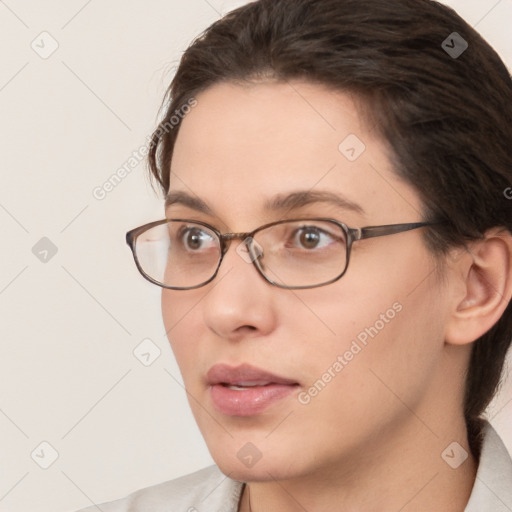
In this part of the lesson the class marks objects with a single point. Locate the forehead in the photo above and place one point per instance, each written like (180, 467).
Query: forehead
(242, 145)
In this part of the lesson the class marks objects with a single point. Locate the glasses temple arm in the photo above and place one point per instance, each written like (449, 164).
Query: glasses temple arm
(389, 229)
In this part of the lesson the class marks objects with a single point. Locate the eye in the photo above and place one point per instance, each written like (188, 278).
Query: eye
(194, 238)
(312, 237)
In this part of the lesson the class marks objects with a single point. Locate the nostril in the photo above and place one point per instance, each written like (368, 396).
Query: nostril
(248, 327)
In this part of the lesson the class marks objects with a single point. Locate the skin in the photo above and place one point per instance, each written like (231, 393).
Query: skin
(372, 439)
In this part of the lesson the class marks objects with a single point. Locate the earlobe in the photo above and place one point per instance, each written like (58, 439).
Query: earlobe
(486, 273)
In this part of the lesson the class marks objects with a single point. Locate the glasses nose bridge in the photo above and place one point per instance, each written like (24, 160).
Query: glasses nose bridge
(226, 238)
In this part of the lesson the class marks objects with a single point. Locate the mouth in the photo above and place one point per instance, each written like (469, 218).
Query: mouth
(246, 390)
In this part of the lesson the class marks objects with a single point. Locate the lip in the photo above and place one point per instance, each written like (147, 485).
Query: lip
(255, 391)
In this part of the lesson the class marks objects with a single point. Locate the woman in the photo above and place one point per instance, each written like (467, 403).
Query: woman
(301, 136)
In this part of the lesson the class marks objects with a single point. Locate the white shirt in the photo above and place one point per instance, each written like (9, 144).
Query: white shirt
(208, 490)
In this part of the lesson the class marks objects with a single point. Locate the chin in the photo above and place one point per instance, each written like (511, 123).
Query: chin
(260, 472)
(264, 466)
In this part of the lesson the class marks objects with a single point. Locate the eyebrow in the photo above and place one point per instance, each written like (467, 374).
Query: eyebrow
(278, 203)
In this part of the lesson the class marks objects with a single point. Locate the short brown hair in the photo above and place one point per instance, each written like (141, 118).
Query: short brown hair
(447, 118)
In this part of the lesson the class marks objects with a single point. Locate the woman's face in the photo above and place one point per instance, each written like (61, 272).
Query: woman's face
(349, 360)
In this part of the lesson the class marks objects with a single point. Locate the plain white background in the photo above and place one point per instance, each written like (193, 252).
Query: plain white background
(70, 321)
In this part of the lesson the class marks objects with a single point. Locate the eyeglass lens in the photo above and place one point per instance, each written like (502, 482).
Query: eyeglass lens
(291, 253)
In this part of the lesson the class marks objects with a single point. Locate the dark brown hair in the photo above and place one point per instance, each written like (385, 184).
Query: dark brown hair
(447, 118)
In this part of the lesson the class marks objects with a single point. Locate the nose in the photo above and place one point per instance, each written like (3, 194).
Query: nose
(240, 302)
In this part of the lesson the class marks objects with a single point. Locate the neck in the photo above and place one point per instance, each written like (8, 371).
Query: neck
(403, 471)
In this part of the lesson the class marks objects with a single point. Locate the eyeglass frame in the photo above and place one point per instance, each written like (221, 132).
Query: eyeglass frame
(352, 235)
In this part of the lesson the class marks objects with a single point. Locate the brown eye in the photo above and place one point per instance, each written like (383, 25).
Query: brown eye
(194, 238)
(309, 238)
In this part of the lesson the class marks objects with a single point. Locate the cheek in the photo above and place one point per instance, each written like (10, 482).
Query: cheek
(182, 322)
(363, 341)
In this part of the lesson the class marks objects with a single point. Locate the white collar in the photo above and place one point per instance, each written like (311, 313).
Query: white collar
(492, 490)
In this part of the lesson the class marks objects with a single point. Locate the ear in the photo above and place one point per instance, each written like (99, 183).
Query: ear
(483, 289)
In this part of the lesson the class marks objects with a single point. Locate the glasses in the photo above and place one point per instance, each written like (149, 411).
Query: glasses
(183, 254)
